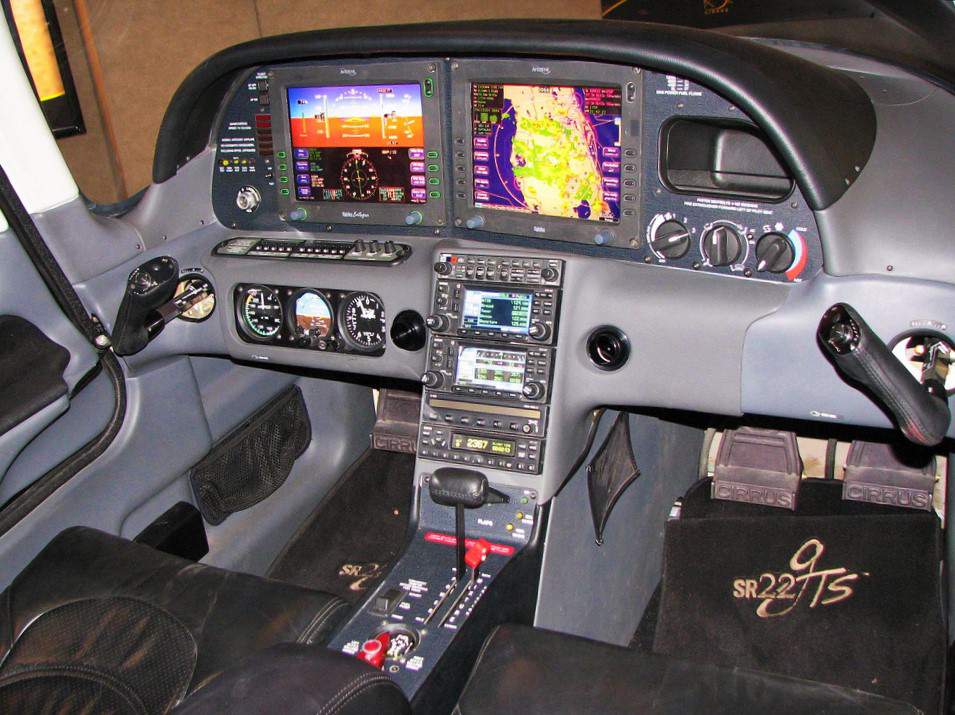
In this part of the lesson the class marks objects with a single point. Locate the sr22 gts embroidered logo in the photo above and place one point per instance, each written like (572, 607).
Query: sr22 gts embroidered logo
(779, 593)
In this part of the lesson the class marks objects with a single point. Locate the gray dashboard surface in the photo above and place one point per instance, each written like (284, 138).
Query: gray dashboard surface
(701, 342)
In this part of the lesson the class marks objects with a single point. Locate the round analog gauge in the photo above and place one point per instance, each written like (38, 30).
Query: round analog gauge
(359, 176)
(311, 315)
(361, 318)
(195, 299)
(261, 312)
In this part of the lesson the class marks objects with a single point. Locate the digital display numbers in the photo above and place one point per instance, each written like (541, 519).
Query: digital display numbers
(485, 445)
(491, 368)
(500, 311)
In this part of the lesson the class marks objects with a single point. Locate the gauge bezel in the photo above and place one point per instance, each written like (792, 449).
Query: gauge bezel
(243, 321)
(343, 303)
(290, 314)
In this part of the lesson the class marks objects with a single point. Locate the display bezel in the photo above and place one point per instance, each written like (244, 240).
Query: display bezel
(558, 73)
(495, 331)
(485, 388)
(428, 74)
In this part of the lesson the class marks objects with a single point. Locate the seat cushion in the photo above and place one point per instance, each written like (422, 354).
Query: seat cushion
(549, 672)
(96, 614)
(293, 679)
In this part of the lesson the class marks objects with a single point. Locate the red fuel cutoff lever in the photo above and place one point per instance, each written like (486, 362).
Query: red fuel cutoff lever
(374, 650)
(477, 554)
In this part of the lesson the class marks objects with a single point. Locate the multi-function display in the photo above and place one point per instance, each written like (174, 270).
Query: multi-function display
(358, 143)
(547, 149)
(500, 311)
(491, 368)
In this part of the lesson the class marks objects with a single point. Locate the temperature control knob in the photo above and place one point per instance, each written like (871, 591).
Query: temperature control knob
(432, 379)
(539, 331)
(671, 239)
(774, 253)
(248, 199)
(722, 245)
(532, 390)
(437, 322)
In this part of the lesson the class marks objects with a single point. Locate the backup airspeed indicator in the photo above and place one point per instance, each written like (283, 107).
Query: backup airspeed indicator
(261, 313)
(361, 320)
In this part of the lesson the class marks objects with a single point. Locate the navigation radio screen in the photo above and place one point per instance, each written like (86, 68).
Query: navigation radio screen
(547, 149)
(490, 368)
(498, 310)
(358, 143)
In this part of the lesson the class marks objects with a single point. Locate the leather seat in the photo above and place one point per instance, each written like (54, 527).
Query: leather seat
(99, 623)
(549, 672)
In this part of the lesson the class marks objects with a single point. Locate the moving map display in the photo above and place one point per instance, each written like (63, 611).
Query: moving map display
(547, 149)
(358, 143)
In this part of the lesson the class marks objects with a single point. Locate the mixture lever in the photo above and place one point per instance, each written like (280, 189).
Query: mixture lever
(462, 489)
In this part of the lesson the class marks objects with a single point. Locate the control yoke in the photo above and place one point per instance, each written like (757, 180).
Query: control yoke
(920, 408)
(462, 489)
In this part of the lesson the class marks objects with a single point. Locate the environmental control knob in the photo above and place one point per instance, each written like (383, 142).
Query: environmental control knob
(722, 245)
(442, 268)
(432, 379)
(248, 198)
(671, 239)
(774, 253)
(539, 331)
(532, 390)
(437, 322)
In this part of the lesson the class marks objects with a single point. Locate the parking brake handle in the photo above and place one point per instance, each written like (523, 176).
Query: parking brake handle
(920, 410)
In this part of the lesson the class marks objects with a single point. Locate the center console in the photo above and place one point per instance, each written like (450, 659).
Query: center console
(494, 322)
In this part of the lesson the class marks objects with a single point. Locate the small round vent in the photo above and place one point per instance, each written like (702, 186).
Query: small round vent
(608, 348)
(408, 331)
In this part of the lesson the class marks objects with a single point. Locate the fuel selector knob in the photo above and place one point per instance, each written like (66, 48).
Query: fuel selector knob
(722, 245)
(532, 390)
(774, 253)
(671, 239)
(539, 331)
(437, 322)
(432, 379)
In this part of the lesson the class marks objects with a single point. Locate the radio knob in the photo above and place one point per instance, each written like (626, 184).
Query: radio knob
(432, 379)
(539, 331)
(548, 274)
(248, 198)
(474, 222)
(442, 268)
(532, 390)
(437, 322)
(413, 218)
(722, 245)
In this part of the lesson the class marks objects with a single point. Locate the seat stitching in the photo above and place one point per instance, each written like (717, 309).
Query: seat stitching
(318, 620)
(350, 687)
(360, 689)
(311, 636)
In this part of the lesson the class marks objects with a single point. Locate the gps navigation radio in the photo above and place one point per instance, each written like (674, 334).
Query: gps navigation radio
(547, 149)
(359, 144)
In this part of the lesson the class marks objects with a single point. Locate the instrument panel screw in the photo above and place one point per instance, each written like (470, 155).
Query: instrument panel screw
(890, 267)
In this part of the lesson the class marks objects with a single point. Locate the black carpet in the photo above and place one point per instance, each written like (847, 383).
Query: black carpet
(838, 592)
(349, 542)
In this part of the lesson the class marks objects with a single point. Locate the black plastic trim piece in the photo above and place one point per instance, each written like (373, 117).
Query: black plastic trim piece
(820, 121)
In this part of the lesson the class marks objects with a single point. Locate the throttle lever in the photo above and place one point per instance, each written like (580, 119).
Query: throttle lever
(860, 355)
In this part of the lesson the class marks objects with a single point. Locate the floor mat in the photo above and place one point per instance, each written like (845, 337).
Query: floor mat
(849, 598)
(350, 540)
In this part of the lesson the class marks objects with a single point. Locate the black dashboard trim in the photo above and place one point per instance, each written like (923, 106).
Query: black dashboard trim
(821, 122)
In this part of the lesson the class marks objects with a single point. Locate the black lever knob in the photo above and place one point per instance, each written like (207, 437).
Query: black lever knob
(861, 356)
